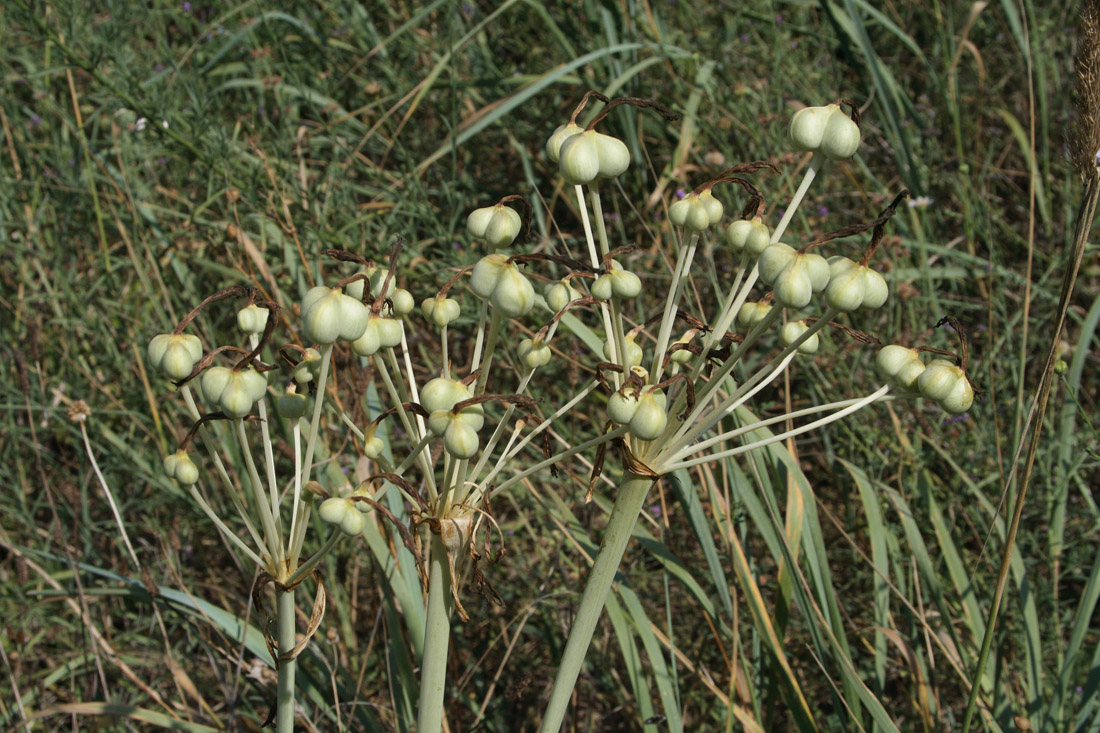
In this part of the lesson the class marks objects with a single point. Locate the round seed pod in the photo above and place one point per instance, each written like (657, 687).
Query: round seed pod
(683, 356)
(633, 352)
(846, 289)
(373, 447)
(960, 398)
(808, 126)
(292, 405)
(558, 138)
(252, 319)
(938, 379)
(689, 213)
(403, 303)
(370, 342)
(900, 366)
(533, 355)
(649, 419)
(214, 381)
(773, 260)
(342, 512)
(441, 311)
(331, 316)
(712, 206)
(625, 284)
(877, 289)
(498, 225)
(460, 440)
(752, 314)
(513, 296)
(559, 294)
(792, 331)
(840, 139)
(613, 154)
(750, 235)
(442, 393)
(180, 467)
(602, 289)
(793, 287)
(621, 408)
(487, 273)
(579, 158)
(309, 368)
(174, 354)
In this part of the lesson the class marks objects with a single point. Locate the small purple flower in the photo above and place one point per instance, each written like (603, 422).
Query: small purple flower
(457, 246)
(36, 120)
(162, 160)
(611, 216)
(744, 38)
(158, 67)
(680, 193)
(779, 20)
(187, 7)
(822, 211)
(957, 419)
(655, 510)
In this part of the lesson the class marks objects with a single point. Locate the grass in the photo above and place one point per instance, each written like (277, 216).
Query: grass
(869, 550)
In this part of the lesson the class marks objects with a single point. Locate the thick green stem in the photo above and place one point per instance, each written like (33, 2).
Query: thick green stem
(284, 617)
(632, 494)
(433, 667)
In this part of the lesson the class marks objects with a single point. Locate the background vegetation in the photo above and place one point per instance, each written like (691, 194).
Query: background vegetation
(155, 152)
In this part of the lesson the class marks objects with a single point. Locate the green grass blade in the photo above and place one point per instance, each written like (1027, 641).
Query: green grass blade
(697, 517)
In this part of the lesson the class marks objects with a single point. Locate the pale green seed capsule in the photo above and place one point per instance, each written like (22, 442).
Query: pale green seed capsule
(808, 126)
(750, 235)
(650, 419)
(442, 393)
(620, 407)
(373, 448)
(558, 138)
(403, 303)
(840, 139)
(793, 331)
(579, 159)
(614, 156)
(292, 405)
(625, 284)
(559, 294)
(773, 260)
(513, 296)
(959, 399)
(938, 379)
(460, 440)
(487, 273)
(252, 319)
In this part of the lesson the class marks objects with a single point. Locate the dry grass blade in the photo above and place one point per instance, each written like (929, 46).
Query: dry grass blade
(1084, 145)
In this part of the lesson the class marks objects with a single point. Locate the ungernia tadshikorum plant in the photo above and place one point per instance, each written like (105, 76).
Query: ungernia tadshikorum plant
(671, 401)
(673, 382)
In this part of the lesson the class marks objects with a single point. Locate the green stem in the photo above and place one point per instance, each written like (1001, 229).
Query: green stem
(284, 615)
(433, 667)
(305, 568)
(679, 277)
(632, 494)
